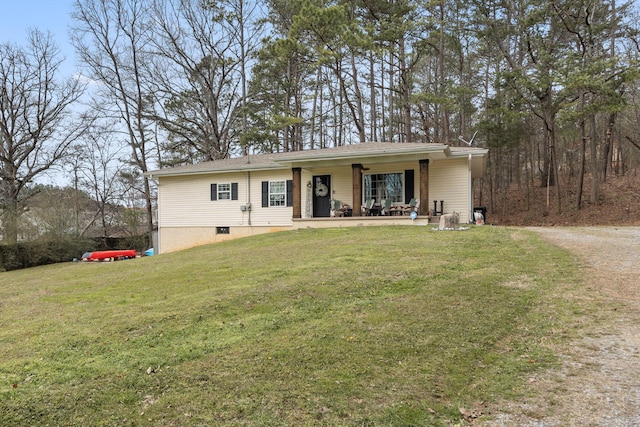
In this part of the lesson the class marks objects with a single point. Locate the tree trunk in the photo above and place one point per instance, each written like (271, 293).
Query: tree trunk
(372, 100)
(595, 181)
(608, 147)
(357, 110)
(581, 164)
(444, 113)
(314, 108)
(10, 217)
(390, 100)
(554, 164)
(243, 71)
(582, 155)
(404, 91)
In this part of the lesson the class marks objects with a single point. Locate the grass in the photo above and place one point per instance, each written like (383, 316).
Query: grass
(392, 326)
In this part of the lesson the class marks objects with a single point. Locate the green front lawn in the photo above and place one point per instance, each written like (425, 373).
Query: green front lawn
(390, 326)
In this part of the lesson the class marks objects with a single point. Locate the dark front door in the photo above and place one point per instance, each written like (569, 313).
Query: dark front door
(321, 195)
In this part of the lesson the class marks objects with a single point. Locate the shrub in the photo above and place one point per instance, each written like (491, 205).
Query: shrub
(61, 249)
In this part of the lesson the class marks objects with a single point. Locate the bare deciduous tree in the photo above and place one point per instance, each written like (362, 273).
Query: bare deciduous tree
(111, 38)
(98, 173)
(35, 115)
(198, 76)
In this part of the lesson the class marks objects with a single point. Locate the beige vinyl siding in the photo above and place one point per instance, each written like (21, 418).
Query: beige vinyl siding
(186, 201)
(188, 217)
(340, 184)
(270, 216)
(449, 180)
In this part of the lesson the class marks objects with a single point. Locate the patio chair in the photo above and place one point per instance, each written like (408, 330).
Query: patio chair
(386, 207)
(339, 209)
(336, 208)
(396, 209)
(413, 207)
(367, 207)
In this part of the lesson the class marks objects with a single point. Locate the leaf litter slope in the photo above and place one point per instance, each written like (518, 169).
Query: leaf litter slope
(369, 325)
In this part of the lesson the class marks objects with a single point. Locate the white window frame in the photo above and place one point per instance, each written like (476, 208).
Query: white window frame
(369, 192)
(224, 194)
(277, 198)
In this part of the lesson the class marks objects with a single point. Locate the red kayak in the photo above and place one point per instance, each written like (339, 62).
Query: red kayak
(113, 254)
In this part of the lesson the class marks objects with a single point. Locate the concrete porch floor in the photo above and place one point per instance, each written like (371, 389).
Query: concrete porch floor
(359, 221)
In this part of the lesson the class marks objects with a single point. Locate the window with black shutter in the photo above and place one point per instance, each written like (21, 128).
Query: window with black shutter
(290, 192)
(224, 191)
(265, 194)
(234, 191)
(277, 193)
(408, 185)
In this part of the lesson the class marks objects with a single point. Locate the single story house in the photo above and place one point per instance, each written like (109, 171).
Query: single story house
(360, 184)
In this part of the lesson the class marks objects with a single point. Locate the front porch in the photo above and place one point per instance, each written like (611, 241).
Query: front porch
(393, 182)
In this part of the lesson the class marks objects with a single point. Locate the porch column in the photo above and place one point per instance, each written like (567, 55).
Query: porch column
(356, 174)
(424, 187)
(297, 192)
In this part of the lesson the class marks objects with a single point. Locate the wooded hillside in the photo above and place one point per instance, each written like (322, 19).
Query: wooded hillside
(618, 204)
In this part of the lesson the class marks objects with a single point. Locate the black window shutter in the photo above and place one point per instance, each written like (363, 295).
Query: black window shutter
(408, 185)
(214, 191)
(234, 191)
(289, 192)
(265, 194)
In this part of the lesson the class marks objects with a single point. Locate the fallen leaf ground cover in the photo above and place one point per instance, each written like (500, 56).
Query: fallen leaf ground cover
(350, 326)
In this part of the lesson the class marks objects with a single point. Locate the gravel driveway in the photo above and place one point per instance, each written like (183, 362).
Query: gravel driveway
(599, 381)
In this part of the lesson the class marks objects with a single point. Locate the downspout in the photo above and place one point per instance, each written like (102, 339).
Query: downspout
(249, 198)
(470, 184)
(155, 243)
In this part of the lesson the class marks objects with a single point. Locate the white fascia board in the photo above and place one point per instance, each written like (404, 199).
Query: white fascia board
(296, 158)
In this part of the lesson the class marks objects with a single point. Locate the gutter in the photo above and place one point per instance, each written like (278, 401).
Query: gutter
(470, 189)
(169, 172)
(295, 157)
